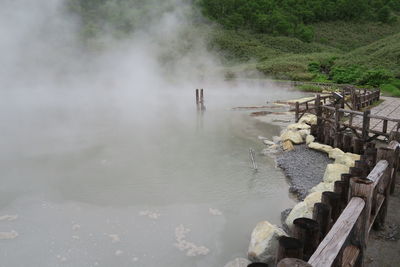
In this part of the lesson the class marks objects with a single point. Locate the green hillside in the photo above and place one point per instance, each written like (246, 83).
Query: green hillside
(384, 53)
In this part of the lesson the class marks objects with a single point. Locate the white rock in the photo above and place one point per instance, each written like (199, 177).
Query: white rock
(8, 235)
(335, 153)
(298, 126)
(239, 262)
(294, 137)
(309, 119)
(310, 139)
(354, 156)
(333, 172)
(322, 187)
(320, 147)
(264, 242)
(268, 143)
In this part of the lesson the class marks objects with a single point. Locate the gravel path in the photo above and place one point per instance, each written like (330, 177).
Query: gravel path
(304, 168)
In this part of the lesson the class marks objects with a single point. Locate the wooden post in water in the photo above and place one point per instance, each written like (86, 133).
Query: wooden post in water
(252, 155)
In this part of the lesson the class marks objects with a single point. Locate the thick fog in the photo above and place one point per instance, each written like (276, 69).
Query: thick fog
(105, 161)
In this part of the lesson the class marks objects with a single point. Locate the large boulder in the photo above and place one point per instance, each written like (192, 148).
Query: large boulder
(320, 147)
(239, 262)
(335, 153)
(264, 242)
(322, 187)
(333, 172)
(294, 136)
(309, 119)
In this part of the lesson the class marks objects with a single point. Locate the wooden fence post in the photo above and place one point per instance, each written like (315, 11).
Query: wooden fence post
(318, 112)
(297, 112)
(365, 125)
(396, 147)
(385, 186)
(322, 215)
(332, 200)
(364, 189)
(307, 231)
(289, 247)
(289, 262)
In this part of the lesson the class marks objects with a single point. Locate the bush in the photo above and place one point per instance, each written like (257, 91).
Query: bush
(375, 77)
(346, 75)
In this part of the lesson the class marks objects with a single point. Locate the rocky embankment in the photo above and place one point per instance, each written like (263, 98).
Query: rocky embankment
(311, 169)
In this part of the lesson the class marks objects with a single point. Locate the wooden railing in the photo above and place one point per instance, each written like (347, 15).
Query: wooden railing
(345, 217)
(359, 98)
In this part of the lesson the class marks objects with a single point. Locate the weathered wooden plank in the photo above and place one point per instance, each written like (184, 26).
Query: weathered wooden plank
(379, 201)
(350, 255)
(377, 173)
(329, 248)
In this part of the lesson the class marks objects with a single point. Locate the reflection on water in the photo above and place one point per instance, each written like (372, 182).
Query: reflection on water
(104, 184)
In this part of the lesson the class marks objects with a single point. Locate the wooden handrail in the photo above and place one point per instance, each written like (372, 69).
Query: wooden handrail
(330, 247)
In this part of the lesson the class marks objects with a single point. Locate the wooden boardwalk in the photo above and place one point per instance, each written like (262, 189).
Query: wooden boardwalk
(389, 108)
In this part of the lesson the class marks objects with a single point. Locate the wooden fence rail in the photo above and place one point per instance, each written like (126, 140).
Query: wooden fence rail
(338, 233)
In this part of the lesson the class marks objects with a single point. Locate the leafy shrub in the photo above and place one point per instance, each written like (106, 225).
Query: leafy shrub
(375, 77)
(346, 75)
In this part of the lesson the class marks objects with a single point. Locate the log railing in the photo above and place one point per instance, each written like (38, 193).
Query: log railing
(338, 233)
(359, 98)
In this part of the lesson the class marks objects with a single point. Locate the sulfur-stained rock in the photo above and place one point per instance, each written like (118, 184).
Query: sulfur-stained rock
(335, 153)
(287, 145)
(333, 172)
(320, 147)
(239, 262)
(264, 242)
(293, 136)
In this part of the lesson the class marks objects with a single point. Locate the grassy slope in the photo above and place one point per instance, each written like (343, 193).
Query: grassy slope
(367, 44)
(384, 53)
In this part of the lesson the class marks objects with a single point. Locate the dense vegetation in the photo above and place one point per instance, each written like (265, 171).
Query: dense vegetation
(293, 17)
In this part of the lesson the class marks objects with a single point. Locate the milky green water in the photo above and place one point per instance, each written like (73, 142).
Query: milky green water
(96, 182)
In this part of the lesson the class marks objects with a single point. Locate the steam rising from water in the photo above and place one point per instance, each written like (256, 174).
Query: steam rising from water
(98, 141)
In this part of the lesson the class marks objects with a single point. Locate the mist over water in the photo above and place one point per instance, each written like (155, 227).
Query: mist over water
(104, 159)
